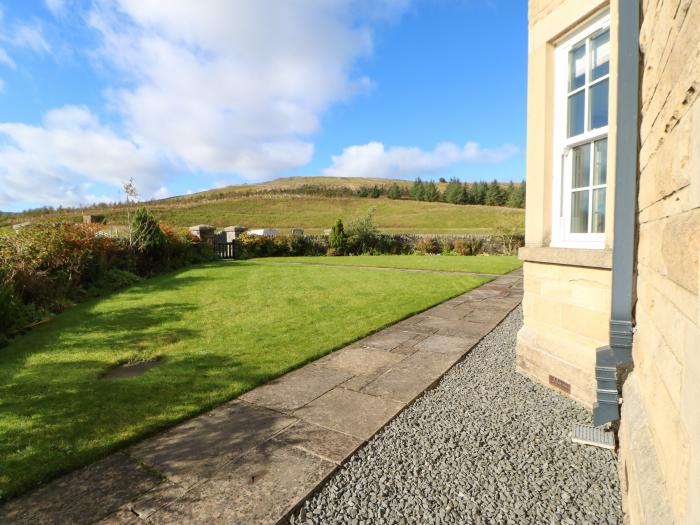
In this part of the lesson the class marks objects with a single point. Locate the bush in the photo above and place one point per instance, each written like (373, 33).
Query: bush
(148, 238)
(446, 245)
(469, 246)
(48, 266)
(363, 235)
(338, 239)
(305, 245)
(427, 245)
(251, 246)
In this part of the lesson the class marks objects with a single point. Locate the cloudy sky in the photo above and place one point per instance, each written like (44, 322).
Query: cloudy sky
(189, 95)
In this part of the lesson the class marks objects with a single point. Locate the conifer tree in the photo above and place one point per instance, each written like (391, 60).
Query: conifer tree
(495, 196)
(453, 192)
(394, 191)
(418, 190)
(431, 192)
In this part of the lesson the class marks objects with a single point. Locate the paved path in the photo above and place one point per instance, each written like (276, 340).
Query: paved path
(485, 446)
(255, 459)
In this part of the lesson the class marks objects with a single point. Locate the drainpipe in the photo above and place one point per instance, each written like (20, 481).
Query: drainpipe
(614, 360)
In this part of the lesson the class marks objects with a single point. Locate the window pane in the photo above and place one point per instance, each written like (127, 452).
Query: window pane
(600, 162)
(599, 105)
(581, 168)
(579, 211)
(577, 66)
(600, 55)
(598, 219)
(575, 112)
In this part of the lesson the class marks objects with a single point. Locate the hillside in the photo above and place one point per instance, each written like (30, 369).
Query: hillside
(282, 204)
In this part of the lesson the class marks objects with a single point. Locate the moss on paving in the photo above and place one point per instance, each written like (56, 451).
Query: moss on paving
(220, 329)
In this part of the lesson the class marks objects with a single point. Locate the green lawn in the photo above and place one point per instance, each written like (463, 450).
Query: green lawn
(449, 263)
(221, 329)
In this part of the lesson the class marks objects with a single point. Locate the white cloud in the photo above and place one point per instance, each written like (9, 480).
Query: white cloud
(374, 160)
(55, 6)
(239, 86)
(5, 59)
(30, 37)
(59, 161)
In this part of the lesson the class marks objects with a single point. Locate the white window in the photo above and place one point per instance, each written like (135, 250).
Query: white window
(582, 76)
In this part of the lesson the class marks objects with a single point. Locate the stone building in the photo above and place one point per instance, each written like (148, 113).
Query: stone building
(612, 316)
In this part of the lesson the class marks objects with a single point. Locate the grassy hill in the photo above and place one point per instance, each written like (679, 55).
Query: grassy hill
(283, 204)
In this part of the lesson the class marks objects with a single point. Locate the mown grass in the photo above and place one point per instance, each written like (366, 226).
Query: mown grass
(443, 263)
(220, 329)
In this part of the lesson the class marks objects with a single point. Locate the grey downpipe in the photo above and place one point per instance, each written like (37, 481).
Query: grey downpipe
(613, 360)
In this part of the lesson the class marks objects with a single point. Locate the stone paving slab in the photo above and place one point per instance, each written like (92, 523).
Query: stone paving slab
(297, 388)
(194, 450)
(258, 488)
(356, 360)
(328, 444)
(84, 496)
(253, 460)
(350, 412)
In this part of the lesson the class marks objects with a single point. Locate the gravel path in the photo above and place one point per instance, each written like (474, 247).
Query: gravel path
(485, 446)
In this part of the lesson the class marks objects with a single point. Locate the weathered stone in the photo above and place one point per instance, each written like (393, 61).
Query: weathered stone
(192, 451)
(358, 360)
(84, 496)
(297, 388)
(329, 444)
(258, 488)
(447, 345)
(388, 339)
(350, 412)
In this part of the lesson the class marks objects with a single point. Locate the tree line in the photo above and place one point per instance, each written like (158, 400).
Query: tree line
(456, 192)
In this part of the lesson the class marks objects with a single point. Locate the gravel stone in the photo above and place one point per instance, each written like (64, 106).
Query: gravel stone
(487, 445)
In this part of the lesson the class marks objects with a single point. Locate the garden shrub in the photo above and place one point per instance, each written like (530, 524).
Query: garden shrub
(46, 267)
(338, 239)
(147, 236)
(469, 246)
(363, 235)
(446, 245)
(427, 245)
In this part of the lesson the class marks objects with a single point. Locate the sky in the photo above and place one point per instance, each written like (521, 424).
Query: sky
(184, 96)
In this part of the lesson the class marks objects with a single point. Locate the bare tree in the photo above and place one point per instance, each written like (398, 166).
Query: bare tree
(131, 194)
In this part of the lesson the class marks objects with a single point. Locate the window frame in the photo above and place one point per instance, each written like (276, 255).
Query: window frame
(563, 146)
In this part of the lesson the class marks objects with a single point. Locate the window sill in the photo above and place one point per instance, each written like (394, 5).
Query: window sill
(584, 257)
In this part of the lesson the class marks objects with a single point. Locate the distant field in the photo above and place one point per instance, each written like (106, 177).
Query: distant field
(443, 263)
(314, 213)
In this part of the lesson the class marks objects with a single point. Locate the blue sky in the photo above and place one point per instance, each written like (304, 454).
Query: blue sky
(184, 96)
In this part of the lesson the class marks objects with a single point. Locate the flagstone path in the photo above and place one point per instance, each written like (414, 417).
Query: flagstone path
(253, 460)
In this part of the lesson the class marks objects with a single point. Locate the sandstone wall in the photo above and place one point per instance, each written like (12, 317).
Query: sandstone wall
(660, 433)
(567, 291)
(566, 310)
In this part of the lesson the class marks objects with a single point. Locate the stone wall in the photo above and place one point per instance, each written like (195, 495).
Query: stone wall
(660, 431)
(566, 304)
(538, 9)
